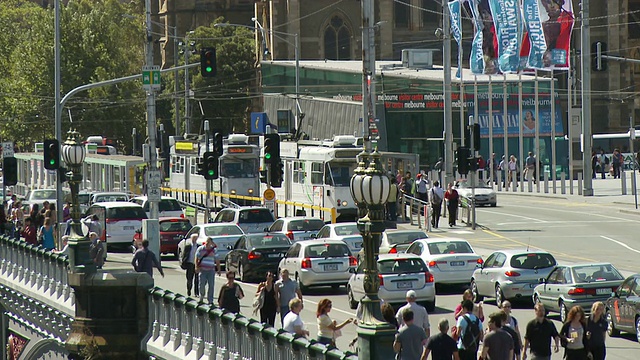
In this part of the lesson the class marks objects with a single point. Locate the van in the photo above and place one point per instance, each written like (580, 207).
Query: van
(119, 220)
(167, 207)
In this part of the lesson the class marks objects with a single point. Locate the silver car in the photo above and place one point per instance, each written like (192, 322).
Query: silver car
(224, 236)
(484, 194)
(250, 219)
(398, 241)
(347, 232)
(511, 274)
(297, 228)
(450, 260)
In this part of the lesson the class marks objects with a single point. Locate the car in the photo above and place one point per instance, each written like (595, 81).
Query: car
(253, 255)
(398, 241)
(450, 260)
(39, 196)
(577, 284)
(398, 273)
(346, 231)
(108, 197)
(172, 231)
(119, 220)
(250, 219)
(623, 308)
(167, 207)
(484, 194)
(297, 228)
(224, 236)
(511, 274)
(318, 262)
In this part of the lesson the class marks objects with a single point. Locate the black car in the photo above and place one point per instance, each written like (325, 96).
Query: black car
(623, 308)
(255, 254)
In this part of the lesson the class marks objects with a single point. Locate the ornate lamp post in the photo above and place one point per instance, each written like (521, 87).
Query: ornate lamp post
(370, 190)
(73, 154)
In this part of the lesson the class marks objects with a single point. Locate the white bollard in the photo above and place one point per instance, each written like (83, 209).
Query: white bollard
(546, 182)
(623, 182)
(499, 178)
(580, 183)
(563, 183)
(530, 184)
(514, 181)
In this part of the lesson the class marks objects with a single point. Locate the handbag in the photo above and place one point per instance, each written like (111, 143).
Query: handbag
(258, 301)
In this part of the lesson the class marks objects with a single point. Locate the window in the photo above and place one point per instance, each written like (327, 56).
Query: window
(175, 226)
(293, 251)
(430, 13)
(193, 166)
(595, 273)
(625, 288)
(298, 172)
(490, 260)
(323, 233)
(532, 261)
(277, 226)
(401, 11)
(240, 244)
(222, 230)
(268, 241)
(450, 247)
(169, 205)
(126, 213)
(255, 216)
(500, 259)
(345, 230)
(401, 266)
(316, 173)
(327, 250)
(553, 277)
(337, 40)
(404, 237)
(239, 168)
(305, 225)
(178, 164)
(339, 174)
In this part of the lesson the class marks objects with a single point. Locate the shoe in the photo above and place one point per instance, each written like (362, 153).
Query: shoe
(188, 293)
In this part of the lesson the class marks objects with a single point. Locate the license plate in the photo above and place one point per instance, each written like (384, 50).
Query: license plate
(405, 284)
(275, 255)
(128, 227)
(331, 267)
(603, 291)
(456, 263)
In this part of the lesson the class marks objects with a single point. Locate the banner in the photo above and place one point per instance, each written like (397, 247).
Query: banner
(489, 38)
(549, 24)
(476, 59)
(456, 28)
(505, 19)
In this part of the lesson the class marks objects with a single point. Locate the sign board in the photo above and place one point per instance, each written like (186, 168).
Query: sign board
(269, 195)
(271, 205)
(151, 77)
(258, 122)
(189, 211)
(154, 180)
(7, 149)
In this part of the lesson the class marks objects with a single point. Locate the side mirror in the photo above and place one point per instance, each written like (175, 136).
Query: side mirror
(352, 270)
(542, 281)
(314, 236)
(266, 229)
(479, 266)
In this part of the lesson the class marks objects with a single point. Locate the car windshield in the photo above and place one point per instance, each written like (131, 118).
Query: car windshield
(222, 230)
(255, 216)
(133, 212)
(532, 261)
(84, 198)
(404, 237)
(306, 225)
(110, 198)
(465, 185)
(327, 250)
(44, 194)
(169, 205)
(175, 226)
(268, 240)
(593, 273)
(450, 247)
(344, 230)
(401, 266)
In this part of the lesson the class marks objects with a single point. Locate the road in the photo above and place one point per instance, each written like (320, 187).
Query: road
(571, 228)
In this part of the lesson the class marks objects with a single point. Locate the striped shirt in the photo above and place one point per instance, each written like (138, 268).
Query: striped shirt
(207, 258)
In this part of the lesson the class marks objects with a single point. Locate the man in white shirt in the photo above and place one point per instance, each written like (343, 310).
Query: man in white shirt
(436, 196)
(292, 321)
(420, 315)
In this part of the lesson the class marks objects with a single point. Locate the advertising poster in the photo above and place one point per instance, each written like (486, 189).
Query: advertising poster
(548, 24)
(507, 30)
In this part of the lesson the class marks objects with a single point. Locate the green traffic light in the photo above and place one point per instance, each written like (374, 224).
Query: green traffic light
(52, 162)
(211, 172)
(209, 69)
(267, 156)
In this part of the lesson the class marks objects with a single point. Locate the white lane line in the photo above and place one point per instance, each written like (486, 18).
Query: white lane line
(620, 243)
(571, 212)
(516, 216)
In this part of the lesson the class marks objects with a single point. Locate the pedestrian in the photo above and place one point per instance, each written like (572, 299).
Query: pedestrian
(595, 164)
(513, 170)
(17, 218)
(45, 207)
(93, 223)
(574, 336)
(538, 335)
(453, 201)
(597, 328)
(604, 162)
(410, 340)
(36, 217)
(65, 246)
(442, 346)
(51, 212)
(530, 167)
(188, 248)
(389, 314)
(617, 162)
(481, 165)
(10, 203)
(96, 251)
(422, 187)
(392, 201)
(4, 224)
(328, 330)
(478, 310)
(66, 211)
(469, 332)
(497, 343)
(420, 315)
(511, 321)
(293, 321)
(207, 265)
(503, 166)
(286, 290)
(399, 176)
(438, 167)
(269, 306)
(436, 195)
(47, 234)
(230, 294)
(407, 184)
(144, 260)
(517, 340)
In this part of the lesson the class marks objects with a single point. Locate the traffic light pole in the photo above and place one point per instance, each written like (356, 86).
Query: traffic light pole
(474, 173)
(207, 182)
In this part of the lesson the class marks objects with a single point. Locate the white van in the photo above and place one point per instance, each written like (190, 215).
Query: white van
(120, 220)
(167, 207)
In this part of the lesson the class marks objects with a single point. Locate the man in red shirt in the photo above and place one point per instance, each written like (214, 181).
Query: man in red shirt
(29, 232)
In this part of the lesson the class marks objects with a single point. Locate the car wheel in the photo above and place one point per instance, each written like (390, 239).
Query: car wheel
(494, 204)
(474, 289)
(353, 304)
(536, 299)
(300, 285)
(241, 273)
(611, 328)
(499, 296)
(430, 306)
(638, 328)
(563, 312)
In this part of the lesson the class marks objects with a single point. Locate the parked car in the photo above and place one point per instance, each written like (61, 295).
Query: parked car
(224, 236)
(39, 196)
(319, 262)
(253, 255)
(347, 232)
(579, 284)
(119, 220)
(172, 231)
(511, 274)
(450, 260)
(167, 207)
(108, 197)
(484, 194)
(297, 228)
(623, 308)
(398, 273)
(398, 241)
(250, 219)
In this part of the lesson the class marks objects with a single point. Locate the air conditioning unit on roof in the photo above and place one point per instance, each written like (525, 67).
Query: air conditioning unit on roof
(417, 58)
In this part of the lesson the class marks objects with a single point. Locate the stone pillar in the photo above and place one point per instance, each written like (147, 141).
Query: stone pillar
(385, 33)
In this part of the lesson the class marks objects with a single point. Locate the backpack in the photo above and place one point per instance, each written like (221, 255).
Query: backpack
(184, 256)
(435, 199)
(471, 334)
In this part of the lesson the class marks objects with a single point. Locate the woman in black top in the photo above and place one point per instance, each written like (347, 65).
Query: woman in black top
(268, 310)
(36, 217)
(597, 331)
(230, 294)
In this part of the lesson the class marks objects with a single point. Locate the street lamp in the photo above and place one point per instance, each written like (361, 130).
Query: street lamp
(370, 190)
(73, 154)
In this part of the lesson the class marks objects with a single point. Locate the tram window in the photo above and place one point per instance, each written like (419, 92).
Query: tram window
(316, 173)
(337, 174)
(298, 172)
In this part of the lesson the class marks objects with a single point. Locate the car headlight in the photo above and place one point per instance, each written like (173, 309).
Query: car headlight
(233, 192)
(344, 203)
(250, 191)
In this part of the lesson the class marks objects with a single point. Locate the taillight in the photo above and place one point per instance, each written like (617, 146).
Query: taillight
(393, 250)
(381, 279)
(428, 277)
(353, 261)
(512, 273)
(434, 263)
(477, 261)
(480, 261)
(306, 263)
(290, 235)
(182, 216)
(254, 255)
(577, 291)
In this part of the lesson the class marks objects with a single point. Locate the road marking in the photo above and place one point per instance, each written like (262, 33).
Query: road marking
(620, 243)
(517, 216)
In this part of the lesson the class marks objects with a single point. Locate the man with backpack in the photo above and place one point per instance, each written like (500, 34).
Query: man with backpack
(188, 248)
(436, 194)
(469, 331)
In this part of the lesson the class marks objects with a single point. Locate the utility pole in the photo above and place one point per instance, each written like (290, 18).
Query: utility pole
(187, 83)
(176, 88)
(585, 48)
(151, 115)
(57, 107)
(448, 112)
(368, 71)
(207, 182)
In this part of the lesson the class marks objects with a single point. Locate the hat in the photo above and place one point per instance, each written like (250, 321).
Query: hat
(411, 294)
(419, 176)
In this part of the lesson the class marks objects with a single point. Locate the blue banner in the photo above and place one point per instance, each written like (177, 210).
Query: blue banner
(476, 61)
(505, 18)
(537, 45)
(528, 122)
(456, 28)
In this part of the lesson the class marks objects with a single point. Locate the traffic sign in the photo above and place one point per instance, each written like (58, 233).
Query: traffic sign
(271, 205)
(154, 180)
(7, 149)
(269, 194)
(151, 78)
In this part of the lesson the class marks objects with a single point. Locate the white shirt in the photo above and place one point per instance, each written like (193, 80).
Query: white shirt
(420, 315)
(292, 321)
(438, 191)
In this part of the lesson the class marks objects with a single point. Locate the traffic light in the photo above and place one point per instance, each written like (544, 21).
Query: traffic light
(598, 63)
(200, 167)
(208, 62)
(10, 171)
(217, 144)
(51, 154)
(210, 165)
(476, 136)
(277, 173)
(473, 163)
(271, 148)
(463, 154)
(263, 177)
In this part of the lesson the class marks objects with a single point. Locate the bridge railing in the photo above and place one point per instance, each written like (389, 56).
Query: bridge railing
(182, 328)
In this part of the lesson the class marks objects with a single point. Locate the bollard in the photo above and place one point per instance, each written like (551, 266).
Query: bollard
(546, 182)
(623, 181)
(403, 208)
(571, 182)
(514, 182)
(419, 220)
(411, 211)
(563, 183)
(579, 183)
(530, 184)
(427, 223)
(554, 177)
(499, 177)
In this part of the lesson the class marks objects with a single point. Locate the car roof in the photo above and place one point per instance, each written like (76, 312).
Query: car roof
(441, 239)
(397, 256)
(403, 231)
(217, 224)
(320, 241)
(585, 264)
(113, 204)
(341, 224)
(511, 252)
(145, 198)
(110, 193)
(289, 218)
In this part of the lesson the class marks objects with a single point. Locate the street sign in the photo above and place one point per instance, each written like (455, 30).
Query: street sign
(271, 205)
(7, 149)
(269, 194)
(151, 77)
(154, 180)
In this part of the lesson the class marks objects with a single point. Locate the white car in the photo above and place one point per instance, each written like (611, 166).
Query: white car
(167, 207)
(484, 195)
(398, 273)
(251, 219)
(347, 232)
(224, 235)
(108, 197)
(297, 228)
(398, 241)
(318, 262)
(450, 260)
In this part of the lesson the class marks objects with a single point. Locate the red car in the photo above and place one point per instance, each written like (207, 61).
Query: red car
(172, 231)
